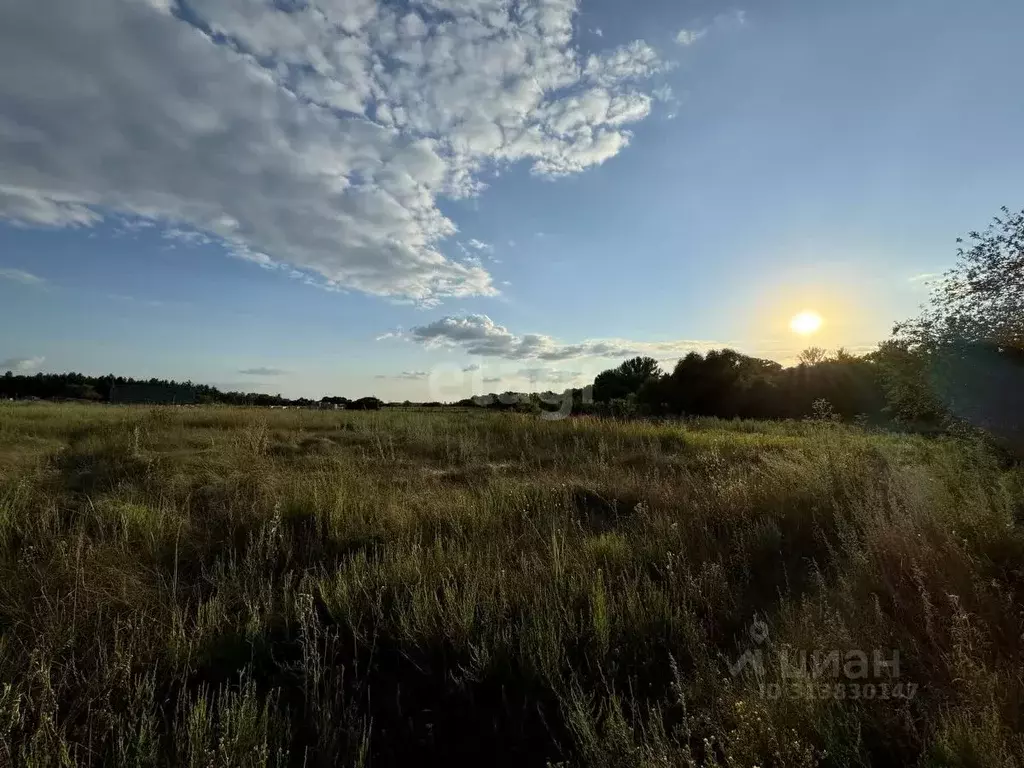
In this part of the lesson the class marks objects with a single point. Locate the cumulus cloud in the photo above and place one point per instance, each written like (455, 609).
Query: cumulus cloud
(21, 364)
(319, 135)
(263, 372)
(21, 276)
(479, 335)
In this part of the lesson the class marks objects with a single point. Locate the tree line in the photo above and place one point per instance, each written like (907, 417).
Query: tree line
(114, 389)
(728, 384)
(959, 362)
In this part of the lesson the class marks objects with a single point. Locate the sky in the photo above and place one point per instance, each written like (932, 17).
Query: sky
(428, 199)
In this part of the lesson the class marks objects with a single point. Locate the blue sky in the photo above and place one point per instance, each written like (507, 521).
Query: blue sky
(435, 198)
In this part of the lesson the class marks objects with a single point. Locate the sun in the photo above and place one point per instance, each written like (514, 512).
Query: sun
(805, 323)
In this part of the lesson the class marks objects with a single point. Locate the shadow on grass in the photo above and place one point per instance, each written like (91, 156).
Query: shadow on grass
(426, 709)
(602, 512)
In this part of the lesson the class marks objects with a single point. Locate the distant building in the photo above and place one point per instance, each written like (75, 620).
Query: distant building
(152, 394)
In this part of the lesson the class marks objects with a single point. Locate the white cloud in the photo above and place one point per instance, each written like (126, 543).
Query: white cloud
(21, 276)
(687, 37)
(479, 245)
(479, 335)
(186, 236)
(39, 208)
(663, 93)
(321, 136)
(666, 95)
(21, 364)
(634, 61)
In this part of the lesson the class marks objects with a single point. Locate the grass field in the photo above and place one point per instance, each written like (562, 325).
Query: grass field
(233, 587)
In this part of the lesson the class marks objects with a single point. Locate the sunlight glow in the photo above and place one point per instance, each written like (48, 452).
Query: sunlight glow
(805, 323)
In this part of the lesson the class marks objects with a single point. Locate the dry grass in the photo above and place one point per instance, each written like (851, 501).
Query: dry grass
(221, 587)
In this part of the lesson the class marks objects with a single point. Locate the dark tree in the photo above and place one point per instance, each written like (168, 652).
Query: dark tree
(637, 370)
(626, 380)
(981, 299)
(366, 404)
(964, 354)
(812, 356)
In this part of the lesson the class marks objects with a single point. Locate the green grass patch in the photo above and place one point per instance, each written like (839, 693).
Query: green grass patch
(230, 586)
